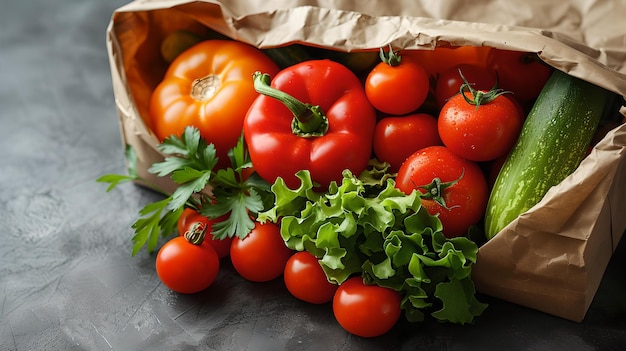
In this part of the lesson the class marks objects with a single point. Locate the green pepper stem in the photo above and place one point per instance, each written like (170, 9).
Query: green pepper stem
(308, 121)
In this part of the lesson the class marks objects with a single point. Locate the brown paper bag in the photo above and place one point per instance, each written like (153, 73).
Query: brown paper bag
(552, 257)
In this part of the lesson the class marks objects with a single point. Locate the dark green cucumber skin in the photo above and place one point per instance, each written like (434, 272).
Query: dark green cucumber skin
(553, 141)
(288, 55)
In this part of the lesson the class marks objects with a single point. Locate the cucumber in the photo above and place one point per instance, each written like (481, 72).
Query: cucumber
(358, 62)
(286, 56)
(177, 42)
(553, 141)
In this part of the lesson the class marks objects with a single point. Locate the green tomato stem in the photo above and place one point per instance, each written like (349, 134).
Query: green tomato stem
(196, 234)
(308, 121)
(391, 58)
(434, 190)
(479, 97)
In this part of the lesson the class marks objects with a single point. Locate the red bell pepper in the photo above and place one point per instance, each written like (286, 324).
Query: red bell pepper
(314, 116)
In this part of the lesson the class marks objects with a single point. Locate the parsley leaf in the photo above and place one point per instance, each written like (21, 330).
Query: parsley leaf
(155, 220)
(115, 179)
(190, 162)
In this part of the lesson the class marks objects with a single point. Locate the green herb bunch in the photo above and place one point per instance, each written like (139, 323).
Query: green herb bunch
(190, 163)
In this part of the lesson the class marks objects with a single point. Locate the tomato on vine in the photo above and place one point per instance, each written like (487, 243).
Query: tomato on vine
(262, 255)
(187, 264)
(366, 310)
(453, 187)
(305, 279)
(398, 85)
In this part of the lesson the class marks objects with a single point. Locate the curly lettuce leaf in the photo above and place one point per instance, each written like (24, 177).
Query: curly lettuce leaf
(459, 302)
(366, 226)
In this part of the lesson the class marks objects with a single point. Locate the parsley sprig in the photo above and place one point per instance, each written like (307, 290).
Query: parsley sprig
(190, 163)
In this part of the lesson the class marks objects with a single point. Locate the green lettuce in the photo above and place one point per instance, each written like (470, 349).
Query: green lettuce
(366, 226)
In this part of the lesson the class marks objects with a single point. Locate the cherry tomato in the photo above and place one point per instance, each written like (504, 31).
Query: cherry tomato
(450, 81)
(187, 267)
(366, 310)
(464, 189)
(190, 219)
(395, 138)
(305, 279)
(441, 58)
(397, 88)
(209, 86)
(522, 73)
(262, 255)
(481, 130)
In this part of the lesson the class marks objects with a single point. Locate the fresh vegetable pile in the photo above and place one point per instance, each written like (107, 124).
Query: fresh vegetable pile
(370, 174)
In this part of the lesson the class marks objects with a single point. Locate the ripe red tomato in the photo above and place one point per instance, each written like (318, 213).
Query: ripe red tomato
(522, 73)
(262, 255)
(305, 279)
(450, 81)
(465, 200)
(441, 58)
(482, 131)
(397, 137)
(366, 310)
(190, 219)
(397, 88)
(186, 267)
